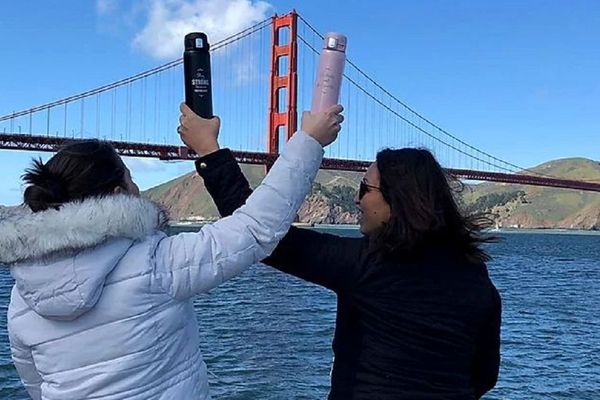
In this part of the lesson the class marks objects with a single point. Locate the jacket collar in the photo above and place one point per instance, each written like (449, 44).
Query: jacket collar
(25, 235)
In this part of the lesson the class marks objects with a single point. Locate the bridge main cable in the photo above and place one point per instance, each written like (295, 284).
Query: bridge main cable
(517, 168)
(231, 39)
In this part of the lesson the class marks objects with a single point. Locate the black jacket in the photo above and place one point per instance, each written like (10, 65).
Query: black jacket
(422, 329)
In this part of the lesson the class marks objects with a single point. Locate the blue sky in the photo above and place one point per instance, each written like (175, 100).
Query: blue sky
(518, 79)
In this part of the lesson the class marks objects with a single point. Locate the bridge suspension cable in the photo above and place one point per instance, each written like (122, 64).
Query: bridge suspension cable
(498, 163)
(144, 115)
(153, 71)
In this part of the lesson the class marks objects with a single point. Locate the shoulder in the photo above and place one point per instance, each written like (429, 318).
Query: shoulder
(142, 251)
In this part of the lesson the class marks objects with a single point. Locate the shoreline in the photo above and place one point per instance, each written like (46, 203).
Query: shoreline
(549, 231)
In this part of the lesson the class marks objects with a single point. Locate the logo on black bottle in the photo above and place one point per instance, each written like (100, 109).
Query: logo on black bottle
(200, 82)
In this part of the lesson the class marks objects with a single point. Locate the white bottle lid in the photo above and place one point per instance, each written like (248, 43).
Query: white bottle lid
(335, 41)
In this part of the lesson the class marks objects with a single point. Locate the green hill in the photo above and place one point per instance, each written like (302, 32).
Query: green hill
(186, 197)
(332, 198)
(540, 207)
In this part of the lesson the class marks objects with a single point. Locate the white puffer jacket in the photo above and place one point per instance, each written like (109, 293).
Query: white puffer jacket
(101, 307)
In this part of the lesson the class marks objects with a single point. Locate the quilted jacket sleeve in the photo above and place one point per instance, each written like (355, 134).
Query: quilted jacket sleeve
(324, 259)
(191, 263)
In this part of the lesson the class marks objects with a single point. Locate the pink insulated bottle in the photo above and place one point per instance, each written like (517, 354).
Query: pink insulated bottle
(331, 69)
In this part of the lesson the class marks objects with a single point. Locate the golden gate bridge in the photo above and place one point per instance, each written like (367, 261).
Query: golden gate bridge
(262, 76)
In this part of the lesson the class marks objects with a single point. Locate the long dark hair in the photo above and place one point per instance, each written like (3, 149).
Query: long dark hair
(78, 170)
(424, 212)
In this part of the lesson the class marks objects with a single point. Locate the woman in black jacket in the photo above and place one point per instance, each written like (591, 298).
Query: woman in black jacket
(417, 315)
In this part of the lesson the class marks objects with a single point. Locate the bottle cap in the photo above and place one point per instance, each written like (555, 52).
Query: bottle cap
(196, 41)
(335, 41)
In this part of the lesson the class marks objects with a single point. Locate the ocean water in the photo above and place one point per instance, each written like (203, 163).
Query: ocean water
(267, 335)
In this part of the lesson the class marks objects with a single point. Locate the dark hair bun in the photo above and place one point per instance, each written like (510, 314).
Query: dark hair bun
(45, 189)
(80, 169)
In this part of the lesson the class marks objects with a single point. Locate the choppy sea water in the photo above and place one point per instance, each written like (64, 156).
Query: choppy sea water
(268, 336)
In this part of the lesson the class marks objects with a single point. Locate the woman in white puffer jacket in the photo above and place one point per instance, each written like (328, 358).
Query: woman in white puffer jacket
(102, 302)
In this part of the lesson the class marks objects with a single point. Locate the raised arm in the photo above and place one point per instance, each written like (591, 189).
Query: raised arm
(324, 259)
(191, 263)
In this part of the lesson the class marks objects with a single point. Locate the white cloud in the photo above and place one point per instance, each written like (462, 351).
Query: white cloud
(106, 6)
(168, 21)
(142, 165)
(246, 69)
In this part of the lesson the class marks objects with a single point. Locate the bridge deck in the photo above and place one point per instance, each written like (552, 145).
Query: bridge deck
(15, 141)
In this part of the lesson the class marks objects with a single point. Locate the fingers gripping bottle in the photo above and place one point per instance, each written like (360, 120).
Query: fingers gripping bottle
(196, 70)
(329, 76)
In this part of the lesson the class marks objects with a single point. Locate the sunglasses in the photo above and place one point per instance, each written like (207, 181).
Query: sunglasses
(364, 188)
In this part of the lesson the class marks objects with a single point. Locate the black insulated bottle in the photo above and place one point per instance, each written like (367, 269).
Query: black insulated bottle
(196, 70)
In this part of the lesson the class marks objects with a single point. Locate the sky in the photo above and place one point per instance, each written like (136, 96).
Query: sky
(518, 79)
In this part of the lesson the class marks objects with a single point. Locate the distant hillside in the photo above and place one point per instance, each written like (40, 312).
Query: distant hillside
(332, 198)
(539, 207)
(330, 201)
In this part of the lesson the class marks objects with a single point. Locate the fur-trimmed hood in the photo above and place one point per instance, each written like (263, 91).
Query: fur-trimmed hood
(26, 236)
(60, 258)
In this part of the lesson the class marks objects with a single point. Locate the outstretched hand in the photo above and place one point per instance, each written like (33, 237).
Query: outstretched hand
(199, 134)
(324, 126)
